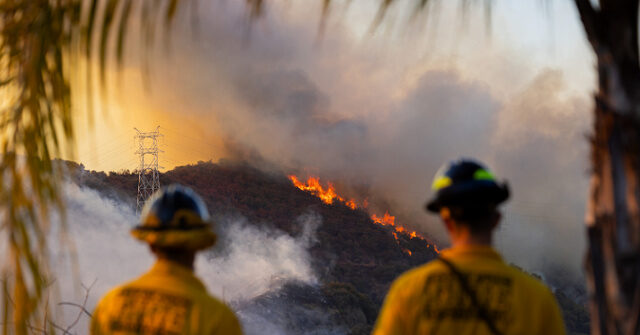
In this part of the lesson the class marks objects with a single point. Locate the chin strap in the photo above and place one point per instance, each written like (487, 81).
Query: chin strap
(482, 312)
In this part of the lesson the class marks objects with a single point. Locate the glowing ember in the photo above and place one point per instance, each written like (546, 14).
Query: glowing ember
(329, 195)
(408, 251)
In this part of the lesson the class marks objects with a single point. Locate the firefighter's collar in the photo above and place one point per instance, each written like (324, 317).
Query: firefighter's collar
(472, 250)
(164, 266)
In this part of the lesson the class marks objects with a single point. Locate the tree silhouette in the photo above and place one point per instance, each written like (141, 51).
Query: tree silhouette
(613, 217)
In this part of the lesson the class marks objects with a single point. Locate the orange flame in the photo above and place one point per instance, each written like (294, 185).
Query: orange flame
(385, 220)
(328, 195)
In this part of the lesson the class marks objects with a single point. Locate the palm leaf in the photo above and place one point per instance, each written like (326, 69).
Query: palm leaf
(38, 44)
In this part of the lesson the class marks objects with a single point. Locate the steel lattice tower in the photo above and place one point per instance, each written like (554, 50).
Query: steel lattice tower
(148, 176)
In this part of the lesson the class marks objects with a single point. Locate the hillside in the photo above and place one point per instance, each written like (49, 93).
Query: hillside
(354, 258)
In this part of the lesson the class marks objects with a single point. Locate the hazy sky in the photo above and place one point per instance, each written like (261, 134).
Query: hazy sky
(526, 37)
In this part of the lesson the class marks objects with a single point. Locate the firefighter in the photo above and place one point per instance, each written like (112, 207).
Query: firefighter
(468, 288)
(168, 299)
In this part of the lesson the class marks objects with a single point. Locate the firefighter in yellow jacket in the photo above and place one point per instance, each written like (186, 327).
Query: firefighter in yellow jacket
(168, 299)
(468, 289)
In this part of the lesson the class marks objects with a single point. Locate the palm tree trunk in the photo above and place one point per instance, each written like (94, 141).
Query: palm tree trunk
(613, 266)
(613, 211)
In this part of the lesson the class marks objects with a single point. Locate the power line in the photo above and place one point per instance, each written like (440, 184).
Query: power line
(196, 140)
(197, 143)
(107, 157)
(92, 151)
(126, 166)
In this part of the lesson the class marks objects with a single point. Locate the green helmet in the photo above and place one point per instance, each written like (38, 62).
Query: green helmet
(175, 217)
(466, 182)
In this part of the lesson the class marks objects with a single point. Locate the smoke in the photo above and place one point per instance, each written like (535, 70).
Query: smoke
(350, 113)
(248, 263)
(256, 260)
(541, 148)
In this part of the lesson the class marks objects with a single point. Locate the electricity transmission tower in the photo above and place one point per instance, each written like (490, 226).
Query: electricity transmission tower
(148, 177)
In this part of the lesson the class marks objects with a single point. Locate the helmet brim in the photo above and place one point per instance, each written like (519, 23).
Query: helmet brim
(193, 239)
(477, 192)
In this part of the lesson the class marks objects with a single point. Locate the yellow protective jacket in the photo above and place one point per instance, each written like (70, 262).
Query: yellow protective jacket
(168, 299)
(430, 300)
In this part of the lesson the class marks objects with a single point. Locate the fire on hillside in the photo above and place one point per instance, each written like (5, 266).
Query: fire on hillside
(329, 195)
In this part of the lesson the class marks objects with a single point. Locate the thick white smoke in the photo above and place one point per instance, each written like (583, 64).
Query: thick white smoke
(252, 262)
(258, 260)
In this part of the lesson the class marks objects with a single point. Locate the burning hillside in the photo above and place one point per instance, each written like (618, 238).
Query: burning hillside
(358, 252)
(329, 195)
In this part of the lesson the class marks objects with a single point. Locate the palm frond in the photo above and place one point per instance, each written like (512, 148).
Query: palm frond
(38, 39)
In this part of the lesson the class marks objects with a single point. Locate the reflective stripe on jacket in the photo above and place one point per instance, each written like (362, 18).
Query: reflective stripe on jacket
(430, 300)
(168, 299)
